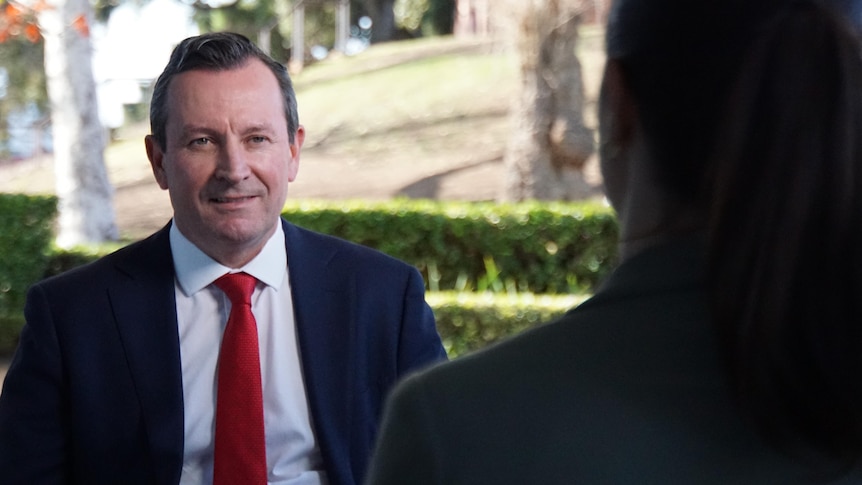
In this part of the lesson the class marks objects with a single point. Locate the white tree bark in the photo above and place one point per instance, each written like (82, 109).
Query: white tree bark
(550, 142)
(86, 212)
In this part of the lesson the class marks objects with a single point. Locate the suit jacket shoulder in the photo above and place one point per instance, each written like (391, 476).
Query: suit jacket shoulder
(326, 249)
(362, 324)
(149, 258)
(94, 392)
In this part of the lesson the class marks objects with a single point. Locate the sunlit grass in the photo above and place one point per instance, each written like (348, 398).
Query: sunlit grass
(412, 103)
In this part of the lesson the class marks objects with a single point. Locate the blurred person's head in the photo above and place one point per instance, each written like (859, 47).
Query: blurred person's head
(742, 120)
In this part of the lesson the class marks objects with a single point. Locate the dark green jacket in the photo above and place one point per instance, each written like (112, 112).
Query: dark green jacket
(626, 389)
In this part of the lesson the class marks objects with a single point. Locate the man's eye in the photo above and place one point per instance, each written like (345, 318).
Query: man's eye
(200, 142)
(257, 139)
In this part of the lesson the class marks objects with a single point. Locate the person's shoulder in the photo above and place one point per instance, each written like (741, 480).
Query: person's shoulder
(142, 253)
(532, 353)
(326, 243)
(572, 348)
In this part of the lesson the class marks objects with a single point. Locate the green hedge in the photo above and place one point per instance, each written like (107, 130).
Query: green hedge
(504, 248)
(26, 234)
(529, 247)
(466, 321)
(62, 260)
(470, 321)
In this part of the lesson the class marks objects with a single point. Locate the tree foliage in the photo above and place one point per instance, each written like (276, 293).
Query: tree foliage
(82, 185)
(439, 18)
(391, 19)
(252, 17)
(425, 17)
(20, 49)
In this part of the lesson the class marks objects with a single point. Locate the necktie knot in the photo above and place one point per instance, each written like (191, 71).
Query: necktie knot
(238, 287)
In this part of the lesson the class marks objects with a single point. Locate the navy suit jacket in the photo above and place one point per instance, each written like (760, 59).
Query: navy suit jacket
(94, 393)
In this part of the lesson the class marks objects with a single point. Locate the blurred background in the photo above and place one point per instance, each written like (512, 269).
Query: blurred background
(440, 99)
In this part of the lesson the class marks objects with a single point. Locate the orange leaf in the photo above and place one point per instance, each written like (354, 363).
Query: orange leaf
(32, 32)
(80, 24)
(4, 36)
(13, 13)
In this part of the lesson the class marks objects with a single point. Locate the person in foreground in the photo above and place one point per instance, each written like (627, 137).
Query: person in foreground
(727, 346)
(122, 374)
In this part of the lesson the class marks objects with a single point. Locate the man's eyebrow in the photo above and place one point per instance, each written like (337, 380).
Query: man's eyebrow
(194, 129)
(257, 127)
(190, 129)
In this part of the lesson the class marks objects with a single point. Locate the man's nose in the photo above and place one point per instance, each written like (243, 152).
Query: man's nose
(233, 163)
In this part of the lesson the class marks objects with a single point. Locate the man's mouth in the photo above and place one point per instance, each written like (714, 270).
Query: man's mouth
(228, 200)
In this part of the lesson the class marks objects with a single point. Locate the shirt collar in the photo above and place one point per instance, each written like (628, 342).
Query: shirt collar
(195, 270)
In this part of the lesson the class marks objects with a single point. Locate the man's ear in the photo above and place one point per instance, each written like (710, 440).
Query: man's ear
(295, 149)
(157, 158)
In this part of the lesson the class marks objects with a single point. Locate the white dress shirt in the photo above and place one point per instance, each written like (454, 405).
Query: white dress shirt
(292, 454)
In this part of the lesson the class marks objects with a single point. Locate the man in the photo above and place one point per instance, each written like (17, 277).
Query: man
(118, 376)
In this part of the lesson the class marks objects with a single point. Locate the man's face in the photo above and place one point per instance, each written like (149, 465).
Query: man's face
(227, 159)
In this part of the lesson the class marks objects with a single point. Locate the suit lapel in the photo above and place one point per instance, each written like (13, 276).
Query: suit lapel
(144, 306)
(323, 305)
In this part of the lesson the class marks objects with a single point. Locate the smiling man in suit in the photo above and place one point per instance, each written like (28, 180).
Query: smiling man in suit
(126, 372)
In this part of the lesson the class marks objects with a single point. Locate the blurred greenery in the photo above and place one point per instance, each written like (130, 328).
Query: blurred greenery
(26, 233)
(471, 321)
(414, 18)
(497, 257)
(536, 247)
(22, 85)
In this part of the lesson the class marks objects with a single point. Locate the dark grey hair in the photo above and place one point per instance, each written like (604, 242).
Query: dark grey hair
(216, 51)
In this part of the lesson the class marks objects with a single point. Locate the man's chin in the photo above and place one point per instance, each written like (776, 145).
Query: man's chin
(243, 231)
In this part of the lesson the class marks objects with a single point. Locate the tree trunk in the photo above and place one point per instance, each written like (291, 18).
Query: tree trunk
(84, 192)
(550, 142)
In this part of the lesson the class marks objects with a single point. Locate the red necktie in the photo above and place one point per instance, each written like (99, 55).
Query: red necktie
(240, 444)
